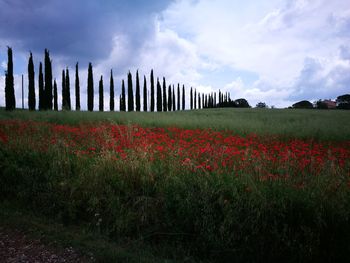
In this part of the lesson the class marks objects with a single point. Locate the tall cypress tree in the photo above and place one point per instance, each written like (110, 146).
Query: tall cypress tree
(174, 109)
(170, 103)
(195, 99)
(152, 91)
(41, 87)
(48, 81)
(122, 99)
(10, 99)
(178, 96)
(90, 89)
(191, 99)
(68, 90)
(183, 97)
(199, 101)
(164, 96)
(202, 100)
(130, 93)
(100, 92)
(137, 95)
(77, 88)
(64, 92)
(159, 96)
(111, 93)
(31, 83)
(144, 94)
(55, 103)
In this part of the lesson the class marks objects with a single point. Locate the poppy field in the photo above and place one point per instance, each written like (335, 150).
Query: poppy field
(212, 194)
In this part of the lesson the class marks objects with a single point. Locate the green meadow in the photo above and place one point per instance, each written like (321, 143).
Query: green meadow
(134, 210)
(289, 123)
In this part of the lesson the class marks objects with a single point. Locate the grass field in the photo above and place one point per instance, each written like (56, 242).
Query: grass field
(257, 186)
(291, 123)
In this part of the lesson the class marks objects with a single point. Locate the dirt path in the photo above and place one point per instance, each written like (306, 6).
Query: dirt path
(16, 246)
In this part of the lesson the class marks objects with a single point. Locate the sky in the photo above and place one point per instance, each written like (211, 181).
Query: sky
(274, 51)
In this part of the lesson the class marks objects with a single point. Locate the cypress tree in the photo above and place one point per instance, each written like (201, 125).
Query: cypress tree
(174, 108)
(144, 94)
(10, 99)
(68, 90)
(90, 89)
(64, 96)
(159, 96)
(164, 96)
(137, 95)
(31, 83)
(111, 93)
(41, 87)
(77, 88)
(199, 101)
(178, 96)
(183, 97)
(100, 92)
(48, 81)
(170, 103)
(55, 103)
(191, 99)
(214, 99)
(195, 99)
(122, 100)
(202, 100)
(152, 91)
(130, 93)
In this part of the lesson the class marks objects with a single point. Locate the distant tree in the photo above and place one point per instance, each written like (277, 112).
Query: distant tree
(239, 103)
(48, 81)
(130, 93)
(90, 89)
(152, 91)
(55, 103)
(41, 87)
(100, 92)
(170, 96)
(304, 104)
(343, 102)
(10, 99)
(64, 96)
(173, 100)
(68, 90)
(183, 97)
(191, 99)
(202, 100)
(137, 95)
(178, 96)
(261, 105)
(123, 100)
(144, 94)
(159, 96)
(111, 92)
(31, 83)
(199, 101)
(195, 99)
(321, 105)
(77, 88)
(164, 96)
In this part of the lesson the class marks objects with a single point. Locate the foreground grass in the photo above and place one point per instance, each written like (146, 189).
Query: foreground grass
(331, 125)
(216, 217)
(89, 243)
(136, 210)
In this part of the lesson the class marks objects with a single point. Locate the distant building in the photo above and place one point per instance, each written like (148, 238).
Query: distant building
(330, 104)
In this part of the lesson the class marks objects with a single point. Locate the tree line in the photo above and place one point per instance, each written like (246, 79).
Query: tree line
(162, 97)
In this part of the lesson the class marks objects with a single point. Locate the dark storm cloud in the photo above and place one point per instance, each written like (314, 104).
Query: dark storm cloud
(76, 30)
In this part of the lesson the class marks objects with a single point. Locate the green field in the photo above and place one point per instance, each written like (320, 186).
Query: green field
(156, 205)
(290, 123)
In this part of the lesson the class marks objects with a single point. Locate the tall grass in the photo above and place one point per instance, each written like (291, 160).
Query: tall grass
(331, 125)
(221, 217)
